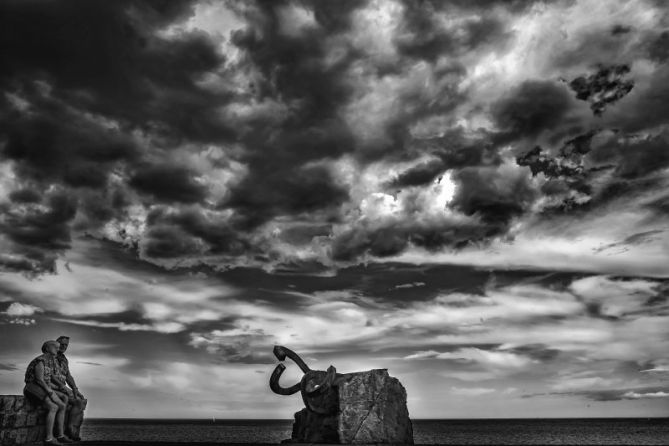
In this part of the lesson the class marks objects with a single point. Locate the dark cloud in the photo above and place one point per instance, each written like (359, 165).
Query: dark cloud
(385, 283)
(173, 233)
(100, 103)
(531, 108)
(621, 164)
(647, 108)
(419, 175)
(292, 71)
(53, 143)
(42, 228)
(658, 50)
(619, 29)
(38, 231)
(269, 192)
(659, 205)
(457, 150)
(304, 233)
(36, 264)
(108, 59)
(79, 82)
(539, 162)
(25, 196)
(392, 237)
(639, 158)
(539, 352)
(168, 242)
(424, 37)
(617, 164)
(382, 242)
(335, 16)
(98, 207)
(493, 195)
(168, 183)
(296, 73)
(566, 171)
(606, 86)
(478, 5)
(453, 150)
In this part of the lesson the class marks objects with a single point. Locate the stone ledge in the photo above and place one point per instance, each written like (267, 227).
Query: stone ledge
(21, 422)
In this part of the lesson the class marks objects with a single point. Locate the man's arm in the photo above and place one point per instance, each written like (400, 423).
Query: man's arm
(73, 385)
(59, 384)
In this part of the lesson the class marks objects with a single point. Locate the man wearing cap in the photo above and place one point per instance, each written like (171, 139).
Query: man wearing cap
(77, 403)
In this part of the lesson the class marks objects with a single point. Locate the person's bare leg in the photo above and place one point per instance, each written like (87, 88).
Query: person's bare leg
(60, 415)
(67, 406)
(50, 417)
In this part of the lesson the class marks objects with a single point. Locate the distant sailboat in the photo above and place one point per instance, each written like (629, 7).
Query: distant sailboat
(213, 419)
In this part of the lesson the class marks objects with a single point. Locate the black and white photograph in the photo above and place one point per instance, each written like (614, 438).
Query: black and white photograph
(260, 222)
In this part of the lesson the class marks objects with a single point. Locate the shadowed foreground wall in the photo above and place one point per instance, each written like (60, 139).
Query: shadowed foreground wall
(20, 421)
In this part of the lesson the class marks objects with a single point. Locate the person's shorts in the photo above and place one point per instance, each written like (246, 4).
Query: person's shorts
(67, 393)
(34, 392)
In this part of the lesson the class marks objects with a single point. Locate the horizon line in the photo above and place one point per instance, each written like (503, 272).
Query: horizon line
(413, 419)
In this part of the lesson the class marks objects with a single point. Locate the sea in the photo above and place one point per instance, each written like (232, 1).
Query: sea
(635, 431)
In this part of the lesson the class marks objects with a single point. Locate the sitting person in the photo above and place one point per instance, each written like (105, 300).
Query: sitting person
(74, 413)
(38, 389)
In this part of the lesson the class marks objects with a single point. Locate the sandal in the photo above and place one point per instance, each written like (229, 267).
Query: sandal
(63, 440)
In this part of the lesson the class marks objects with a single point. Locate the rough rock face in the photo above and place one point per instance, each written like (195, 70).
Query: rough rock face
(372, 409)
(20, 421)
(310, 427)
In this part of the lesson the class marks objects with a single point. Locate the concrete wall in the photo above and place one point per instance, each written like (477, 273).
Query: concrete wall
(20, 421)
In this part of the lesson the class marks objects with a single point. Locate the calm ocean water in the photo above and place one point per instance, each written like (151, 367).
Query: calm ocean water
(506, 431)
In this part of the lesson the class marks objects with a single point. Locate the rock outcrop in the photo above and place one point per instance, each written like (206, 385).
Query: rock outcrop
(372, 409)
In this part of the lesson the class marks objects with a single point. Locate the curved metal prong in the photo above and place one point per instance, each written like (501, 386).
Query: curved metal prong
(281, 352)
(276, 387)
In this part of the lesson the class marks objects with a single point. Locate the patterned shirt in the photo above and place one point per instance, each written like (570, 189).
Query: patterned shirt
(63, 368)
(49, 364)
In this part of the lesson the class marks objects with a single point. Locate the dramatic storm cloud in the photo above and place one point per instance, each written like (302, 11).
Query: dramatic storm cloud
(472, 194)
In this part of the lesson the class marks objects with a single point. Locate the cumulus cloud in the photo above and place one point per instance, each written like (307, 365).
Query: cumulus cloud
(236, 345)
(19, 309)
(615, 298)
(500, 359)
(635, 396)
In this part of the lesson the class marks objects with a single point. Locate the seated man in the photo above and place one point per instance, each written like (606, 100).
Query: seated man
(39, 390)
(74, 416)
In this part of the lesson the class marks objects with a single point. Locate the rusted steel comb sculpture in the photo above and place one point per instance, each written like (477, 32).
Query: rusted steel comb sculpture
(317, 387)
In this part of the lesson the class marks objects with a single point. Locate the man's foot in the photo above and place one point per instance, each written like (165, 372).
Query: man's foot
(63, 439)
(51, 442)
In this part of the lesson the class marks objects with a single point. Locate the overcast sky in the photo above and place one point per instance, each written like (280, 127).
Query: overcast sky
(472, 194)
